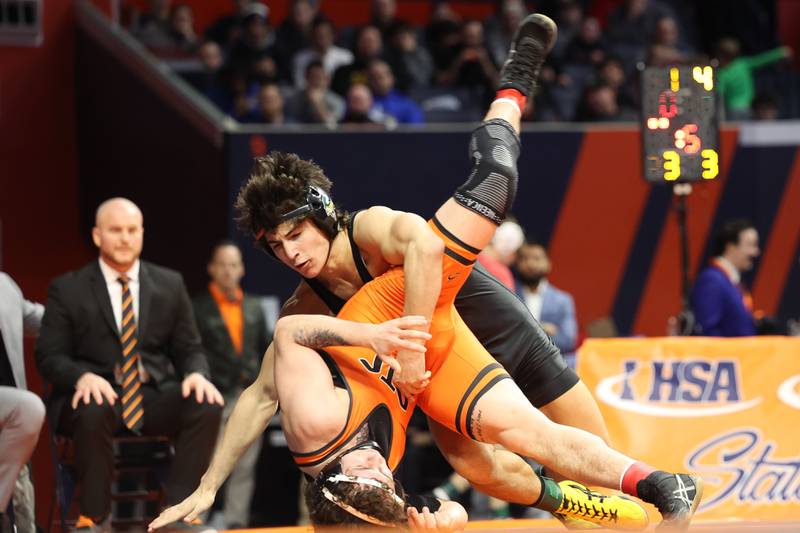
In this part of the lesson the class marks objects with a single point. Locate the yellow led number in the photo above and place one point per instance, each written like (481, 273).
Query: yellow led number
(672, 165)
(704, 76)
(674, 79)
(710, 164)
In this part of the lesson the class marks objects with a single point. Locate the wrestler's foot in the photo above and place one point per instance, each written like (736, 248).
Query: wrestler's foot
(613, 512)
(534, 38)
(676, 496)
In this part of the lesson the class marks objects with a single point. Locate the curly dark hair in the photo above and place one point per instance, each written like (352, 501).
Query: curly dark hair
(370, 500)
(278, 183)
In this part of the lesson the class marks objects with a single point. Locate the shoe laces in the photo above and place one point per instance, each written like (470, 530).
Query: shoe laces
(589, 508)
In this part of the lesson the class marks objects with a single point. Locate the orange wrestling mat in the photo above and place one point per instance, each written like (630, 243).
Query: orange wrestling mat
(553, 526)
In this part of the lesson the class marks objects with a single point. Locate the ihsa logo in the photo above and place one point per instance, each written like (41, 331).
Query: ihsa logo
(685, 388)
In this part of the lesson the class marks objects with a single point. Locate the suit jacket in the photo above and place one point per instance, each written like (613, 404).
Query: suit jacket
(17, 315)
(79, 333)
(718, 306)
(558, 308)
(230, 370)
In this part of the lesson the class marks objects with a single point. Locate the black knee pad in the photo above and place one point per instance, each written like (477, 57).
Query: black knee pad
(492, 185)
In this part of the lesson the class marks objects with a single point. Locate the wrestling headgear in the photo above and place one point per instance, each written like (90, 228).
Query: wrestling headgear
(320, 207)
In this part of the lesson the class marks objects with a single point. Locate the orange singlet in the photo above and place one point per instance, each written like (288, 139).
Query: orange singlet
(461, 369)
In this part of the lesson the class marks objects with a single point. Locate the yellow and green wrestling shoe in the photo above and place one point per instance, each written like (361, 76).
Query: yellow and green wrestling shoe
(582, 508)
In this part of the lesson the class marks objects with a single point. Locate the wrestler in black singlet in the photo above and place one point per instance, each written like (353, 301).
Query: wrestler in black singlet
(501, 322)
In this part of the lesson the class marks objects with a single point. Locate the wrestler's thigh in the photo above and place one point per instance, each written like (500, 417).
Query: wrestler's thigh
(459, 379)
(578, 408)
(472, 459)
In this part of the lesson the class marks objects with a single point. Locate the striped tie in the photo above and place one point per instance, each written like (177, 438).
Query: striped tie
(132, 409)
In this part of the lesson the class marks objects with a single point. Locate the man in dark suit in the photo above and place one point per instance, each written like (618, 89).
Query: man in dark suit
(119, 344)
(235, 337)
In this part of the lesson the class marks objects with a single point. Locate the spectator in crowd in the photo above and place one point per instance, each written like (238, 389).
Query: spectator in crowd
(209, 78)
(411, 63)
(600, 104)
(293, 35)
(235, 93)
(316, 103)
(179, 34)
(211, 58)
(735, 75)
(633, 23)
(120, 346)
(501, 253)
(568, 16)
(765, 107)
(359, 106)
(228, 29)
(384, 17)
(612, 73)
(269, 107)
(588, 46)
(154, 22)
(722, 306)
(552, 307)
(264, 69)
(443, 33)
(665, 49)
(387, 100)
(368, 46)
(255, 42)
(234, 333)
(470, 64)
(21, 412)
(500, 27)
(322, 48)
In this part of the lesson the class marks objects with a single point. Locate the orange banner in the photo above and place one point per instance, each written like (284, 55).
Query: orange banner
(726, 409)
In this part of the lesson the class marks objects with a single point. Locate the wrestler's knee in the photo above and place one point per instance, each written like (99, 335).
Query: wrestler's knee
(492, 185)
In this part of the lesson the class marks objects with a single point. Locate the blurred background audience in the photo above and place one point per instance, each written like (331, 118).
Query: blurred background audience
(591, 75)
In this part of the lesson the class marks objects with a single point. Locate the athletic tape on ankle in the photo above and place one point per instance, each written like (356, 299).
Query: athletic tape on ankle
(509, 101)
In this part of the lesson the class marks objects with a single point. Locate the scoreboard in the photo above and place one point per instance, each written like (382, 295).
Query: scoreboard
(680, 124)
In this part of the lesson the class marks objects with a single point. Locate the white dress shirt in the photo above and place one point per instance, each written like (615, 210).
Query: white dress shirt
(115, 290)
(730, 270)
(533, 299)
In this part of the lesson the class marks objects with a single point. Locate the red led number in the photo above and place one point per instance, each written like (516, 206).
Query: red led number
(667, 104)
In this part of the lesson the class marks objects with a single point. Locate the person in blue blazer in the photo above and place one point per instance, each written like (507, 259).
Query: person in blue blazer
(722, 306)
(551, 306)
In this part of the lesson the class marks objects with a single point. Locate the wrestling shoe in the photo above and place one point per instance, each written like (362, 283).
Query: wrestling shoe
(576, 523)
(612, 512)
(84, 524)
(676, 496)
(534, 38)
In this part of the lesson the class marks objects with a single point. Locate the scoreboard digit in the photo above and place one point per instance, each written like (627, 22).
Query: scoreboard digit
(680, 124)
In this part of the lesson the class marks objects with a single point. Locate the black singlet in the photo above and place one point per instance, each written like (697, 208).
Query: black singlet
(500, 321)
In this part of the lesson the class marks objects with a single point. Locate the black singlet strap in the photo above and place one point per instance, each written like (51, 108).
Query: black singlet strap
(333, 302)
(361, 266)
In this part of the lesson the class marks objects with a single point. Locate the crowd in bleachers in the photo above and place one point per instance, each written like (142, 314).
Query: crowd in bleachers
(305, 70)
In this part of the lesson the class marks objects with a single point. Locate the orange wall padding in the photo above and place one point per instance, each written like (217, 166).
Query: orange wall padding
(594, 233)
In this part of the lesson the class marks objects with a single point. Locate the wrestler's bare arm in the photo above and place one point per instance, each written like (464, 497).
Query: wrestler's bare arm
(317, 331)
(406, 239)
(258, 402)
(253, 411)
